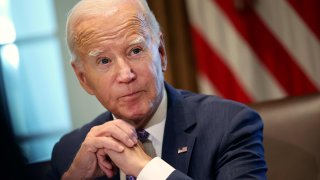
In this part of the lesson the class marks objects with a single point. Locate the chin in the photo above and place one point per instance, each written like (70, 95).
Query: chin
(137, 118)
(138, 113)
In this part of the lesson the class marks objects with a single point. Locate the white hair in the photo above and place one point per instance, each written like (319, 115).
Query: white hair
(85, 8)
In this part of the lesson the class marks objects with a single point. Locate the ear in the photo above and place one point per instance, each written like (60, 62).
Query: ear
(163, 54)
(81, 77)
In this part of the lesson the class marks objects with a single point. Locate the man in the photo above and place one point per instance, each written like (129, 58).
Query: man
(119, 56)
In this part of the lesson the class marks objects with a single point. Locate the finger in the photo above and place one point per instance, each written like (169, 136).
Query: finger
(104, 159)
(109, 172)
(93, 144)
(131, 160)
(105, 163)
(126, 127)
(118, 129)
(122, 136)
(121, 124)
(128, 132)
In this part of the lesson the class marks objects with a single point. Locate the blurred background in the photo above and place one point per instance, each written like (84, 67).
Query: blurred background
(245, 50)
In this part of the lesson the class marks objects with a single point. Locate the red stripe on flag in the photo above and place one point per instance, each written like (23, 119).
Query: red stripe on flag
(218, 73)
(268, 49)
(309, 12)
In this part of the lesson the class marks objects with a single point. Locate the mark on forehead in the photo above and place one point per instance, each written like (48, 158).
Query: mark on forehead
(95, 52)
(112, 11)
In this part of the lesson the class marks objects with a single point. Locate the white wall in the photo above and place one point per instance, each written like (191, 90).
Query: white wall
(83, 106)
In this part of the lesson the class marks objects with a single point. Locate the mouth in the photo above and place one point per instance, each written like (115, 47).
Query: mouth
(131, 96)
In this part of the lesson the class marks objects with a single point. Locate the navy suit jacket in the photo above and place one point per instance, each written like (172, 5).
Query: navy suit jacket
(223, 139)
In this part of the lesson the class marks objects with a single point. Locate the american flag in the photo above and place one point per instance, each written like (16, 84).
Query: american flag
(183, 149)
(255, 50)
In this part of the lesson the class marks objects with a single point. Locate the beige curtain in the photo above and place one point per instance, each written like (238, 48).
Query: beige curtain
(172, 16)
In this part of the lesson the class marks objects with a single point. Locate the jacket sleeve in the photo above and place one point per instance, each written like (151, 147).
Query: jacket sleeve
(177, 175)
(241, 154)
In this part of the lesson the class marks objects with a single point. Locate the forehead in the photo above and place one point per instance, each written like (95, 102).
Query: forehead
(117, 22)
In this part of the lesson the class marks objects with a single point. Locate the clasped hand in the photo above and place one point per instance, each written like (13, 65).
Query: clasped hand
(107, 147)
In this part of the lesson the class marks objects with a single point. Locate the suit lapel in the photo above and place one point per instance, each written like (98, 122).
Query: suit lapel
(182, 151)
(180, 123)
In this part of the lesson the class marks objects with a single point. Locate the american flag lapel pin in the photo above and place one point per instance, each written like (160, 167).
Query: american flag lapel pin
(182, 149)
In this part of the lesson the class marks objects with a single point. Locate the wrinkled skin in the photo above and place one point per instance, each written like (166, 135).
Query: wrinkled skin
(121, 63)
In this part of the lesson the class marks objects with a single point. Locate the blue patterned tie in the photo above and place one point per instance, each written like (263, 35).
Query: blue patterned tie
(130, 177)
(142, 136)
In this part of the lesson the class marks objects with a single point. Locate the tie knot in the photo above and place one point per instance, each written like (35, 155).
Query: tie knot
(130, 177)
(142, 135)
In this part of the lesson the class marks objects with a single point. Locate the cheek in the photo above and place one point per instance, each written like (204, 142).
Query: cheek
(100, 84)
(107, 84)
(105, 92)
(153, 78)
(154, 63)
(157, 70)
(149, 71)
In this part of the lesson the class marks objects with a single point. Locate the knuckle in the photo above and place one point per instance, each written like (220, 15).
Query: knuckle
(95, 128)
(117, 121)
(86, 146)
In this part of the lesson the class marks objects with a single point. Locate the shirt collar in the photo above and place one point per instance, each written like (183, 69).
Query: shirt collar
(155, 127)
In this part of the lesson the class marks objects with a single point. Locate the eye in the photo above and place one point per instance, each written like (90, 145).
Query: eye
(136, 51)
(104, 60)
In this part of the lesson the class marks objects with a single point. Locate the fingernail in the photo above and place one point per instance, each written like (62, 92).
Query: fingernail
(131, 143)
(135, 140)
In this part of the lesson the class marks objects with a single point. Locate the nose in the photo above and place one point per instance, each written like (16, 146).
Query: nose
(126, 74)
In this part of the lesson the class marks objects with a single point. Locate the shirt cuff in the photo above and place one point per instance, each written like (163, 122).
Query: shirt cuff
(156, 168)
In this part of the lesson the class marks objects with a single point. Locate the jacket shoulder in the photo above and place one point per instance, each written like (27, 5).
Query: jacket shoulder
(210, 101)
(213, 111)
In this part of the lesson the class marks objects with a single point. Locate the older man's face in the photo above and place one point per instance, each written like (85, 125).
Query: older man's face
(122, 64)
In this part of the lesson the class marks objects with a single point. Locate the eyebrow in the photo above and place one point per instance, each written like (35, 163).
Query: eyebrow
(137, 40)
(95, 52)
